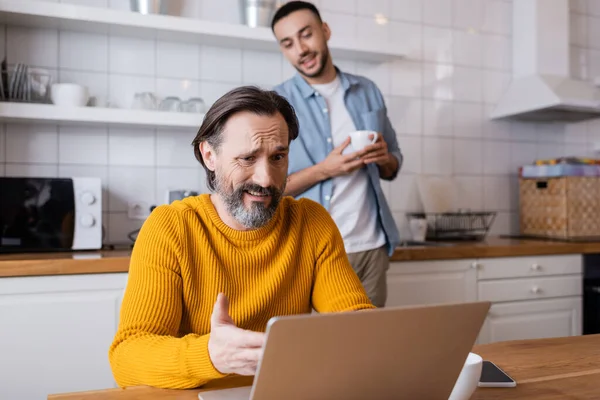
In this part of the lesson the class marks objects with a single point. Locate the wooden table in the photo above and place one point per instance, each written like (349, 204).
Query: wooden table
(548, 369)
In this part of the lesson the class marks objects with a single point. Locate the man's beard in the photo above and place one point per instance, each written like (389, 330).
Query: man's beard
(258, 214)
(323, 62)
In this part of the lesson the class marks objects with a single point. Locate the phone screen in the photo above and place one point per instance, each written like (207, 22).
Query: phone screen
(490, 373)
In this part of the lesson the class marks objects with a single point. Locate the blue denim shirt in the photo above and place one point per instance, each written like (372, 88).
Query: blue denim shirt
(367, 109)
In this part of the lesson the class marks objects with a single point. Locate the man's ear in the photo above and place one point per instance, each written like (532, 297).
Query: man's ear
(208, 155)
(326, 31)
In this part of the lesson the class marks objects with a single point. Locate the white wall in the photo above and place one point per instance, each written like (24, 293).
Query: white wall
(438, 98)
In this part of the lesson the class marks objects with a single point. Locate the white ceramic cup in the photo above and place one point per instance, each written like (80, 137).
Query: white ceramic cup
(69, 95)
(361, 139)
(468, 379)
(418, 229)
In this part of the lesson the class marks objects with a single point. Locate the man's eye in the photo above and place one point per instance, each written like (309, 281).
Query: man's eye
(307, 35)
(249, 159)
(279, 157)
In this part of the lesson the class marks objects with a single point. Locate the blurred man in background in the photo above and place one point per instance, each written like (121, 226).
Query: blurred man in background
(323, 164)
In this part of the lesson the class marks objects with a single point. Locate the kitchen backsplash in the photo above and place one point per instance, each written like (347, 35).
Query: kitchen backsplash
(438, 97)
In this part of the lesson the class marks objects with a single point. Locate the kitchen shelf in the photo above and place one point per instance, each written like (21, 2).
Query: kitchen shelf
(45, 14)
(96, 116)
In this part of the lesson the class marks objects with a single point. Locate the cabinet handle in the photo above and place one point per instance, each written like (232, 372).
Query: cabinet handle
(536, 290)
(536, 267)
(475, 265)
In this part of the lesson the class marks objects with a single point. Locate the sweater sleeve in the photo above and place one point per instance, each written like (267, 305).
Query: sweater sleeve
(146, 349)
(336, 286)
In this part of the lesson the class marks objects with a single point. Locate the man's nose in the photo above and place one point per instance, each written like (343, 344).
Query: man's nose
(263, 174)
(301, 48)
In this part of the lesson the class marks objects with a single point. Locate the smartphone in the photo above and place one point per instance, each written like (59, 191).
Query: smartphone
(493, 376)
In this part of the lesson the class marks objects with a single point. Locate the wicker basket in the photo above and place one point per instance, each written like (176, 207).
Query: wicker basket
(562, 207)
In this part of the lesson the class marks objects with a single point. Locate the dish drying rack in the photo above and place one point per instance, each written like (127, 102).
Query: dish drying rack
(460, 225)
(24, 84)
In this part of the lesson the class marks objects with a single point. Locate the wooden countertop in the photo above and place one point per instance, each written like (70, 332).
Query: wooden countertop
(548, 369)
(494, 247)
(81, 262)
(38, 264)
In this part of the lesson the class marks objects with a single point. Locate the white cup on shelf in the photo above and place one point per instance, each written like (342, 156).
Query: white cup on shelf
(69, 95)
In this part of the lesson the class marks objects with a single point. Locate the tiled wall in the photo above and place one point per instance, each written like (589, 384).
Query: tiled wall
(458, 64)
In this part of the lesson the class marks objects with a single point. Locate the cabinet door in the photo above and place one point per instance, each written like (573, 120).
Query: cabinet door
(431, 282)
(532, 320)
(55, 333)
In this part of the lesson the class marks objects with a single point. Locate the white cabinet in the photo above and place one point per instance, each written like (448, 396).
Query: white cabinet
(532, 297)
(55, 332)
(431, 282)
(532, 320)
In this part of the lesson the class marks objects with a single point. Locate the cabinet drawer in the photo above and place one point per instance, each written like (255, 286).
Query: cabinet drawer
(521, 267)
(530, 288)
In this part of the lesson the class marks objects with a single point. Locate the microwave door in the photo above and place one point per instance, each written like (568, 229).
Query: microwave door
(36, 214)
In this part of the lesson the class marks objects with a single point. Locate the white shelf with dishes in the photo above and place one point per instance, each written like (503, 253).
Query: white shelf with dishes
(97, 116)
(46, 14)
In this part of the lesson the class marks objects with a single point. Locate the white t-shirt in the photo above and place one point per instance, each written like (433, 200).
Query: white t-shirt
(353, 205)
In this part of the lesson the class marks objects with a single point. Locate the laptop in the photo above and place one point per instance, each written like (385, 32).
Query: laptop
(395, 353)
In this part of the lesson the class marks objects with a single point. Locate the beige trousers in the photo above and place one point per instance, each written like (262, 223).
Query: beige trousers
(371, 267)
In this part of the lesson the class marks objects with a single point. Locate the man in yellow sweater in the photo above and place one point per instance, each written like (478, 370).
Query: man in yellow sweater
(208, 272)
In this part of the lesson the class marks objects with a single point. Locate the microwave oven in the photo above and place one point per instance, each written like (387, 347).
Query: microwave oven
(50, 214)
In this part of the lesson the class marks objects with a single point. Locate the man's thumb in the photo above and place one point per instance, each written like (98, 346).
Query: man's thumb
(220, 314)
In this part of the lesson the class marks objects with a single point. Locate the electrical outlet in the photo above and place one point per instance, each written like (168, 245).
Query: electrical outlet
(138, 210)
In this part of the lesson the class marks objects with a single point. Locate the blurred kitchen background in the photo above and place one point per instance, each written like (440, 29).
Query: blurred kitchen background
(457, 65)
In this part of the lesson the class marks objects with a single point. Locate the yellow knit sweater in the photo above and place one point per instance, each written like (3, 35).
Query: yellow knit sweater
(185, 255)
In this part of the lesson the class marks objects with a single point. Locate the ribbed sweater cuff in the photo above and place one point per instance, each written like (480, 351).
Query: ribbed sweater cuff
(198, 360)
